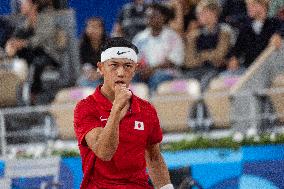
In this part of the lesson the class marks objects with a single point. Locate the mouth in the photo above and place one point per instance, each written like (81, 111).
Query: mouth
(120, 82)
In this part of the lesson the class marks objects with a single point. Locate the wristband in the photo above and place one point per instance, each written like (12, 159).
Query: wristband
(167, 186)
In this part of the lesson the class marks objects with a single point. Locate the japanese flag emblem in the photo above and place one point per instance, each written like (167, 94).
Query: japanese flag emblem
(139, 125)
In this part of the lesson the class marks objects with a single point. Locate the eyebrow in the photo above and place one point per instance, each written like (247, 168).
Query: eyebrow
(116, 62)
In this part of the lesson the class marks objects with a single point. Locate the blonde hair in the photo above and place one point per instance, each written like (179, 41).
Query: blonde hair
(265, 3)
(211, 5)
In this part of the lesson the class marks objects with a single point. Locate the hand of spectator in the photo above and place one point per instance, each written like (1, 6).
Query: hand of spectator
(192, 35)
(10, 48)
(13, 45)
(20, 43)
(192, 26)
(10, 51)
(276, 41)
(233, 64)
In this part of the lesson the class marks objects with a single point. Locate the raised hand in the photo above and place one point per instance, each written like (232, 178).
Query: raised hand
(122, 96)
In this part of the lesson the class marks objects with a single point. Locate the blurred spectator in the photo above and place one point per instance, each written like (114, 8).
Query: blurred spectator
(36, 40)
(15, 6)
(56, 4)
(131, 20)
(6, 30)
(233, 12)
(161, 49)
(279, 14)
(185, 19)
(275, 7)
(60, 4)
(93, 37)
(257, 32)
(207, 47)
(233, 69)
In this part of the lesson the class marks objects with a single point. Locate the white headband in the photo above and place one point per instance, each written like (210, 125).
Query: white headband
(119, 52)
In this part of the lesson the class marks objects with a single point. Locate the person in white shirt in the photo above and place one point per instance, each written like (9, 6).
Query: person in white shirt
(161, 48)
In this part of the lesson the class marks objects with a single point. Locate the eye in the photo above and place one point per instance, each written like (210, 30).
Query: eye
(113, 65)
(129, 66)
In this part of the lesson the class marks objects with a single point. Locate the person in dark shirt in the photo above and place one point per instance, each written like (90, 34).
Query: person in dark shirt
(257, 32)
(207, 47)
(233, 12)
(36, 41)
(93, 37)
(6, 30)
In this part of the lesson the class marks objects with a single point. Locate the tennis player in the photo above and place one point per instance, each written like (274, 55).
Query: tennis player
(118, 133)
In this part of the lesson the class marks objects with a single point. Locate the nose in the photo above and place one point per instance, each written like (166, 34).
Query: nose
(120, 71)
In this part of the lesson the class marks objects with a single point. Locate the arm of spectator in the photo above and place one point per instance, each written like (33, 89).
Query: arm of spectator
(193, 58)
(217, 55)
(13, 45)
(175, 54)
(178, 22)
(240, 44)
(276, 40)
(45, 31)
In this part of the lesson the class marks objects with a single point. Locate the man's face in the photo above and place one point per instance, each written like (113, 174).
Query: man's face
(26, 6)
(155, 18)
(254, 8)
(95, 29)
(206, 17)
(117, 71)
(141, 2)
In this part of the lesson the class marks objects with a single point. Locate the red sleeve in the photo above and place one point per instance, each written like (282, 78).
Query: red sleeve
(85, 119)
(155, 135)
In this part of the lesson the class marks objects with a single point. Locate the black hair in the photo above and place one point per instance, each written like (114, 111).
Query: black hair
(118, 42)
(165, 10)
(42, 4)
(86, 39)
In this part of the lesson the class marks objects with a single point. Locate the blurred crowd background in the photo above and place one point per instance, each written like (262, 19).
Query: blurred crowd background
(49, 51)
(210, 67)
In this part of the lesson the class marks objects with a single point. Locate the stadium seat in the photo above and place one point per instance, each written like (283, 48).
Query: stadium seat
(217, 100)
(9, 85)
(63, 109)
(66, 99)
(174, 101)
(140, 89)
(277, 96)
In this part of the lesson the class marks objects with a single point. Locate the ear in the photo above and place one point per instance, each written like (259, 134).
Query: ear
(100, 68)
(137, 66)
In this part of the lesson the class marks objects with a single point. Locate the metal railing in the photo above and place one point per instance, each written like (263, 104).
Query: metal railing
(47, 129)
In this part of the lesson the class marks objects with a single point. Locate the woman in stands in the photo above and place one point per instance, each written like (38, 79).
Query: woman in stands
(36, 40)
(93, 37)
(207, 46)
(257, 32)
